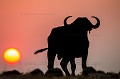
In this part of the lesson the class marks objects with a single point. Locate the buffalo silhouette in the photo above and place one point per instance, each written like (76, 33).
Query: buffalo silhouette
(69, 42)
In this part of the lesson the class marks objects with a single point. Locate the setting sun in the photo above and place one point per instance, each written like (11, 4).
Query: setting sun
(11, 55)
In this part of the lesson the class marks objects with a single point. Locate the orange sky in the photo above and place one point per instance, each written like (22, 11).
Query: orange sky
(26, 24)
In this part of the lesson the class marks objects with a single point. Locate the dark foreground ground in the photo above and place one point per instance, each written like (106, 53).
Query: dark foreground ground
(58, 74)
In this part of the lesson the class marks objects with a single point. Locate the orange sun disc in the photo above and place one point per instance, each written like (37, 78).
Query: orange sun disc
(12, 55)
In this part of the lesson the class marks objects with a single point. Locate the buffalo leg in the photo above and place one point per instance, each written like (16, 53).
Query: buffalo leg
(51, 57)
(63, 64)
(84, 66)
(73, 66)
(84, 62)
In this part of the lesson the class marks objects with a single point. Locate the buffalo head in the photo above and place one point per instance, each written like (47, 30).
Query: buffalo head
(84, 21)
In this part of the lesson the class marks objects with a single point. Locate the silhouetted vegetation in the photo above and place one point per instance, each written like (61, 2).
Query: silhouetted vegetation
(56, 73)
(100, 72)
(14, 72)
(36, 72)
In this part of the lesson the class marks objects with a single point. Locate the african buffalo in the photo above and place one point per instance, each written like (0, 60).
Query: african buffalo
(69, 42)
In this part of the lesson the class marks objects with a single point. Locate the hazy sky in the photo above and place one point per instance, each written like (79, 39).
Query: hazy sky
(26, 24)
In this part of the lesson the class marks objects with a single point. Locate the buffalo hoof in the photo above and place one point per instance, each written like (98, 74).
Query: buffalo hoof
(88, 70)
(73, 74)
(67, 74)
(55, 72)
(85, 72)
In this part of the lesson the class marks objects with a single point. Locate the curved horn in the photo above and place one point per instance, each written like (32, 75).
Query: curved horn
(65, 21)
(97, 24)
